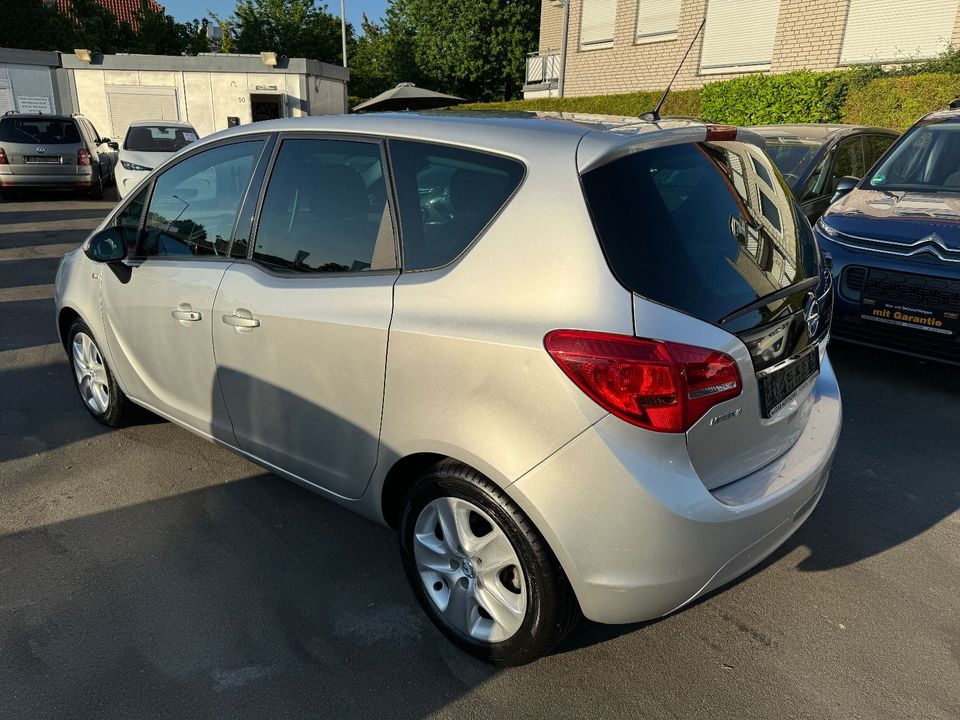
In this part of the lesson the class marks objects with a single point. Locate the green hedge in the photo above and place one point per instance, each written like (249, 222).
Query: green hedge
(896, 102)
(864, 95)
(795, 97)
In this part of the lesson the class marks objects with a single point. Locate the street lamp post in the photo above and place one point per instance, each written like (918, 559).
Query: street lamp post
(565, 4)
(343, 31)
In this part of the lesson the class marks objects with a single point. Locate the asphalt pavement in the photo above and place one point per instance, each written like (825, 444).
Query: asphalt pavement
(146, 573)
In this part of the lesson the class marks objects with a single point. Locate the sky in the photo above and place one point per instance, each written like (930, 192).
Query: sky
(183, 10)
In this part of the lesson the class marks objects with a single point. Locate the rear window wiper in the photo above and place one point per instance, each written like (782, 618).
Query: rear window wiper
(807, 284)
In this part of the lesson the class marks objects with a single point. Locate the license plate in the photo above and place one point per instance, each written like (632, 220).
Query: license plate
(781, 386)
(42, 159)
(908, 300)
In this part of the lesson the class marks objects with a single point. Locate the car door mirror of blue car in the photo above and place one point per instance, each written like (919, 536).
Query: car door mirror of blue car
(844, 185)
(107, 246)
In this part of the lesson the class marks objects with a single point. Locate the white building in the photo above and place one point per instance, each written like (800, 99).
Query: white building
(29, 82)
(211, 91)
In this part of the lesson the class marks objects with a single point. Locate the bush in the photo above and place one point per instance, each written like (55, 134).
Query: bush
(795, 97)
(897, 102)
(679, 102)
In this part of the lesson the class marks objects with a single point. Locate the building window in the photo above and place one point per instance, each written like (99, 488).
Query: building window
(597, 21)
(881, 31)
(657, 20)
(739, 36)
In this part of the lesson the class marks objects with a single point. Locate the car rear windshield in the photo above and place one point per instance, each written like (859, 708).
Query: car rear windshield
(39, 130)
(158, 138)
(706, 228)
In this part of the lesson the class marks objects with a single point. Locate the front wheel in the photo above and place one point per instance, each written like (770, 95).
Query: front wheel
(481, 570)
(98, 389)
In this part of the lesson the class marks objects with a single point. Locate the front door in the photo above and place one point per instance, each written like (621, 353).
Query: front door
(300, 329)
(158, 307)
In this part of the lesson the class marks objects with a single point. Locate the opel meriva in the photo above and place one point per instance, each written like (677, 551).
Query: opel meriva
(580, 364)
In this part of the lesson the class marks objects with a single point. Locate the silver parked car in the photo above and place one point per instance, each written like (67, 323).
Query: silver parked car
(54, 152)
(579, 364)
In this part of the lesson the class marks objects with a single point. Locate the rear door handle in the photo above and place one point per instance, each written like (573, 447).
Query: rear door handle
(187, 315)
(241, 321)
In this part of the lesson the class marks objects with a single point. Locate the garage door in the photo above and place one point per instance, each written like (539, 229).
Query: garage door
(128, 103)
(6, 94)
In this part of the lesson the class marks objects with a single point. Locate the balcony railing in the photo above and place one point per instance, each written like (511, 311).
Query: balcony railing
(543, 67)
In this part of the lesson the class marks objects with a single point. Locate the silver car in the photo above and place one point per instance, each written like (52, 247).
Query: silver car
(579, 364)
(53, 152)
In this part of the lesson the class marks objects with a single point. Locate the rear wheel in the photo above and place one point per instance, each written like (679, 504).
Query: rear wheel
(96, 192)
(481, 570)
(98, 389)
(8, 194)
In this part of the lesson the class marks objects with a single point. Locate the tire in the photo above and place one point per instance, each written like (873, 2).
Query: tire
(531, 604)
(8, 194)
(101, 395)
(96, 192)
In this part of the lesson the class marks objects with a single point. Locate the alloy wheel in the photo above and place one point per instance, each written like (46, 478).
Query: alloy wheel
(470, 570)
(91, 373)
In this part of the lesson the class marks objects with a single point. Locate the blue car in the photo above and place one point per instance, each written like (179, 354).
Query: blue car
(892, 241)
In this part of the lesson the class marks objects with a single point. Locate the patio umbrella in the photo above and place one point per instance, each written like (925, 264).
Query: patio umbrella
(407, 96)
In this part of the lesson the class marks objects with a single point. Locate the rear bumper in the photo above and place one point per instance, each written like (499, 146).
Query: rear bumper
(59, 180)
(639, 535)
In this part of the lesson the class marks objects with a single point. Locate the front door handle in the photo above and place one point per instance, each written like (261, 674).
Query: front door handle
(246, 321)
(188, 315)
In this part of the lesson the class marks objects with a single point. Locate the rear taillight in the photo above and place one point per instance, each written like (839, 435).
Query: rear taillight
(3, 157)
(83, 157)
(662, 386)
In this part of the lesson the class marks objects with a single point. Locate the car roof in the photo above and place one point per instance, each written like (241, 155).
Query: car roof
(941, 116)
(36, 116)
(165, 123)
(816, 131)
(521, 134)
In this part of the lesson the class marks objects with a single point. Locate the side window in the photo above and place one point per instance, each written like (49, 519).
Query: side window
(816, 183)
(128, 221)
(876, 146)
(195, 203)
(849, 161)
(447, 196)
(326, 210)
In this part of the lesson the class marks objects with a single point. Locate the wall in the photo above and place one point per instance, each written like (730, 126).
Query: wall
(809, 35)
(27, 74)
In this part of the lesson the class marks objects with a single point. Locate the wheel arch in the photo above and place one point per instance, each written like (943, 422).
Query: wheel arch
(65, 318)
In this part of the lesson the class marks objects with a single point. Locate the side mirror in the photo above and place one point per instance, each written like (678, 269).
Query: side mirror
(844, 185)
(106, 246)
(113, 144)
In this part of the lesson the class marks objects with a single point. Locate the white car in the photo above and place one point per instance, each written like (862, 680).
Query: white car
(147, 144)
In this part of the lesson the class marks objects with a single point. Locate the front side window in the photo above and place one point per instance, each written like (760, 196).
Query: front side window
(195, 203)
(876, 146)
(849, 162)
(326, 209)
(447, 196)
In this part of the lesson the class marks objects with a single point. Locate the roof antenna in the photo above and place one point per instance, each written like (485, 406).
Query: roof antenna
(654, 115)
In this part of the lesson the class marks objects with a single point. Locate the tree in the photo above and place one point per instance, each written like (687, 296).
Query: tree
(33, 25)
(159, 34)
(295, 28)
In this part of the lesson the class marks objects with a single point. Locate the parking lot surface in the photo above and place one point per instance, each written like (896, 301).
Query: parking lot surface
(146, 573)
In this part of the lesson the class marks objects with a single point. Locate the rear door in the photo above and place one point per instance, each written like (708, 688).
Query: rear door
(41, 146)
(300, 329)
(710, 230)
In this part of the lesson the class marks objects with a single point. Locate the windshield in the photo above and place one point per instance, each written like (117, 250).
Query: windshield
(792, 155)
(158, 138)
(40, 130)
(927, 158)
(705, 228)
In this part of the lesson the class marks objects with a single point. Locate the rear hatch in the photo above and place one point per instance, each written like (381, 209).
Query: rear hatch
(40, 145)
(710, 229)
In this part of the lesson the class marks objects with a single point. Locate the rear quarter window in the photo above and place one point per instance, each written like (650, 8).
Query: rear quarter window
(447, 196)
(699, 227)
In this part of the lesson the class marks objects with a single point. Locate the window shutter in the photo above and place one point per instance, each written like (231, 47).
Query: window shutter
(128, 103)
(597, 21)
(894, 30)
(739, 35)
(657, 20)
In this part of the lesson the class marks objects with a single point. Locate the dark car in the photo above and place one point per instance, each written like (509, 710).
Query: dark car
(813, 158)
(54, 152)
(893, 242)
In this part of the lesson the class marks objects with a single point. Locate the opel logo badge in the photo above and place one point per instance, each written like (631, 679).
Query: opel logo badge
(812, 312)
(41, 149)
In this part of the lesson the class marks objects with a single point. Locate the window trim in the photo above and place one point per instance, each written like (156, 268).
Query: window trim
(493, 218)
(391, 203)
(151, 184)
